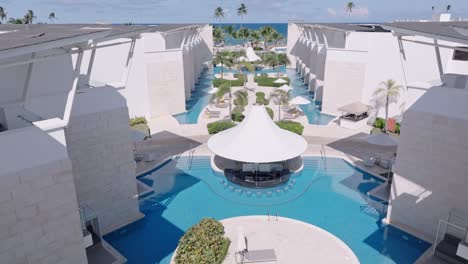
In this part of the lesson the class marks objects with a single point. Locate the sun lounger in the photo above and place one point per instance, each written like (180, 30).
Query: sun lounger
(255, 256)
(212, 111)
(290, 116)
(221, 105)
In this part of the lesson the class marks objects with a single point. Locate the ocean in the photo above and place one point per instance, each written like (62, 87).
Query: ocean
(282, 28)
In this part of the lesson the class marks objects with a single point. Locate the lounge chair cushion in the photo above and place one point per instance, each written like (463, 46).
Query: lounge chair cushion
(263, 255)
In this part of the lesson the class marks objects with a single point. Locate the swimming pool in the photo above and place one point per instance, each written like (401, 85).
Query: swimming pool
(201, 98)
(312, 111)
(331, 196)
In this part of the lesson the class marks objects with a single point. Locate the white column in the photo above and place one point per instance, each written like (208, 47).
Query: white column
(128, 64)
(71, 94)
(439, 60)
(27, 82)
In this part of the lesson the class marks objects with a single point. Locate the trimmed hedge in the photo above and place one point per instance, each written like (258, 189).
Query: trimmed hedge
(292, 126)
(203, 243)
(138, 120)
(234, 83)
(264, 80)
(261, 100)
(237, 115)
(379, 123)
(270, 112)
(218, 126)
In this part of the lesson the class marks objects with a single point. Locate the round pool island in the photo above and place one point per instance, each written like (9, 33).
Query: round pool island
(293, 241)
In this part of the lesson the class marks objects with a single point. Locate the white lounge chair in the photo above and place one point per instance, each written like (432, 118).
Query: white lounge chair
(255, 256)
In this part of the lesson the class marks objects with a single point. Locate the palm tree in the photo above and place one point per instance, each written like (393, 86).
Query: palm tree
(225, 59)
(388, 92)
(244, 33)
(274, 60)
(448, 8)
(219, 14)
(15, 21)
(256, 36)
(52, 17)
(349, 7)
(241, 98)
(266, 32)
(223, 89)
(29, 17)
(283, 99)
(275, 37)
(218, 34)
(3, 14)
(242, 11)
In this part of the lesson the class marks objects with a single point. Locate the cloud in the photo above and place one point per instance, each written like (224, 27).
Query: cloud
(331, 12)
(360, 12)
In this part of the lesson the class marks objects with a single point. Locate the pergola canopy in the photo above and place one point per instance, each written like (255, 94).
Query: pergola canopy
(257, 139)
(355, 108)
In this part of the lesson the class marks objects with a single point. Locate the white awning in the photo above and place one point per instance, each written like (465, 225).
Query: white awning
(257, 139)
(299, 100)
(251, 56)
(285, 88)
(280, 81)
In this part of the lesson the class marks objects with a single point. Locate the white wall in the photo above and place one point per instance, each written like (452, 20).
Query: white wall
(39, 216)
(430, 170)
(100, 148)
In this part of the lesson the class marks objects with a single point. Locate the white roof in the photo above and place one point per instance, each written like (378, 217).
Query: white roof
(382, 140)
(257, 139)
(251, 56)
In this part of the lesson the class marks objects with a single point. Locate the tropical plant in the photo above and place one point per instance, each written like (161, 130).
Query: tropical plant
(218, 126)
(388, 92)
(276, 37)
(291, 126)
(203, 243)
(224, 59)
(218, 34)
(256, 37)
(242, 11)
(237, 114)
(241, 98)
(29, 17)
(448, 8)
(349, 7)
(3, 14)
(52, 17)
(219, 13)
(222, 91)
(15, 21)
(244, 33)
(283, 99)
(274, 60)
(138, 120)
(230, 30)
(266, 32)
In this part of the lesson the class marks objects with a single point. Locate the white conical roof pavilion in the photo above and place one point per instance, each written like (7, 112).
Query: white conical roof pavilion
(257, 139)
(251, 56)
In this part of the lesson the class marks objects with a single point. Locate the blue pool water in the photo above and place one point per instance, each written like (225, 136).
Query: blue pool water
(201, 98)
(333, 198)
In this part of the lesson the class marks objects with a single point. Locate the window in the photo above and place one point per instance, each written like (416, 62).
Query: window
(460, 55)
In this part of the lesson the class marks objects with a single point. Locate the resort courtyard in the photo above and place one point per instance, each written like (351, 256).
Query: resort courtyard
(229, 143)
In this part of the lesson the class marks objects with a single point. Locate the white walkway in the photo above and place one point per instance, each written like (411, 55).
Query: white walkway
(293, 241)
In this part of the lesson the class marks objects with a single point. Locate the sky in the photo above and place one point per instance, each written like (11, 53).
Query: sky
(201, 11)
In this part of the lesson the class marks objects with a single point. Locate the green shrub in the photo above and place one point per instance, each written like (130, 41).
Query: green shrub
(218, 126)
(292, 126)
(261, 100)
(270, 112)
(264, 80)
(379, 123)
(138, 120)
(217, 82)
(397, 128)
(203, 243)
(257, 48)
(237, 115)
(242, 98)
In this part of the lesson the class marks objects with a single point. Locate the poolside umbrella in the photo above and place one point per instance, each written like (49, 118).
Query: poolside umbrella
(280, 81)
(299, 100)
(382, 140)
(285, 88)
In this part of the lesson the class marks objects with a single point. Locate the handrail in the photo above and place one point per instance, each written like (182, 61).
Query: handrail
(447, 224)
(276, 215)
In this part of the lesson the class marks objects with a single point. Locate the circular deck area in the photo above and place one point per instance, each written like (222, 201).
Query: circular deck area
(293, 241)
